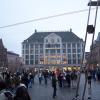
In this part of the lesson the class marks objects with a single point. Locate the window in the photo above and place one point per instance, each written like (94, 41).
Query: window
(46, 41)
(78, 50)
(58, 50)
(27, 62)
(36, 51)
(36, 61)
(27, 46)
(82, 45)
(74, 56)
(79, 56)
(74, 61)
(73, 45)
(31, 46)
(36, 46)
(69, 50)
(74, 50)
(64, 50)
(36, 57)
(52, 51)
(79, 61)
(31, 51)
(41, 50)
(57, 45)
(58, 40)
(52, 40)
(69, 56)
(69, 61)
(48, 45)
(31, 62)
(27, 57)
(27, 51)
(64, 45)
(31, 56)
(23, 51)
(23, 46)
(47, 51)
(69, 45)
(78, 45)
(63, 59)
(41, 45)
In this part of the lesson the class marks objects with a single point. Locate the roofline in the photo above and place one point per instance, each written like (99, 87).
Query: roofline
(12, 53)
(36, 32)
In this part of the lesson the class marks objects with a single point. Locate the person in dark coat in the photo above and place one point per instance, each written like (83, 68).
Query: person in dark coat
(25, 79)
(45, 77)
(89, 77)
(68, 78)
(60, 79)
(54, 85)
(22, 94)
(4, 93)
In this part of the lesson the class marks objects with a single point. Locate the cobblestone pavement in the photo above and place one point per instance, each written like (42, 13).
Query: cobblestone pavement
(44, 92)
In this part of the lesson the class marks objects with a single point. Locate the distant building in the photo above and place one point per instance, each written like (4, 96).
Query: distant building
(3, 55)
(95, 51)
(14, 61)
(87, 55)
(52, 49)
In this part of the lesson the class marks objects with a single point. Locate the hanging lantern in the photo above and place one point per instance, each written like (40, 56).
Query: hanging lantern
(90, 29)
(94, 3)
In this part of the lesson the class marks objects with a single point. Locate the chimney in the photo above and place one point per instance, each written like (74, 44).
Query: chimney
(70, 29)
(35, 31)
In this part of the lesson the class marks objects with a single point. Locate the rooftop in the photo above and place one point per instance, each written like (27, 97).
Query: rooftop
(12, 53)
(67, 36)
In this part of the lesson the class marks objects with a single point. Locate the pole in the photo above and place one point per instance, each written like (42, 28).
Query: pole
(77, 89)
(91, 51)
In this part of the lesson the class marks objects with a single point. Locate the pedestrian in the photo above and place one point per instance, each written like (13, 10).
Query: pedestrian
(45, 77)
(54, 85)
(30, 80)
(4, 93)
(25, 79)
(89, 77)
(40, 77)
(68, 79)
(60, 79)
(22, 93)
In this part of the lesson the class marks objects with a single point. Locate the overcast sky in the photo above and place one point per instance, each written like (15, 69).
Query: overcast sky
(15, 11)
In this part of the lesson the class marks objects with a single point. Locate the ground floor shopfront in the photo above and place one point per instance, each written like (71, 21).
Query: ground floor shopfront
(53, 67)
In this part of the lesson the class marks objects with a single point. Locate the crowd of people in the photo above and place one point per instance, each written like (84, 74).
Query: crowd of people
(14, 86)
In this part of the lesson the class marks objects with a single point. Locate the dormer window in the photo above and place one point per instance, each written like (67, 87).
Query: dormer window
(46, 41)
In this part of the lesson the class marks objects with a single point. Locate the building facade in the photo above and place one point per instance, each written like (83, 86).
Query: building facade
(14, 61)
(3, 55)
(95, 51)
(52, 48)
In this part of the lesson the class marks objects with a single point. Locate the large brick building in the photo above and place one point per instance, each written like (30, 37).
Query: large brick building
(3, 55)
(52, 49)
